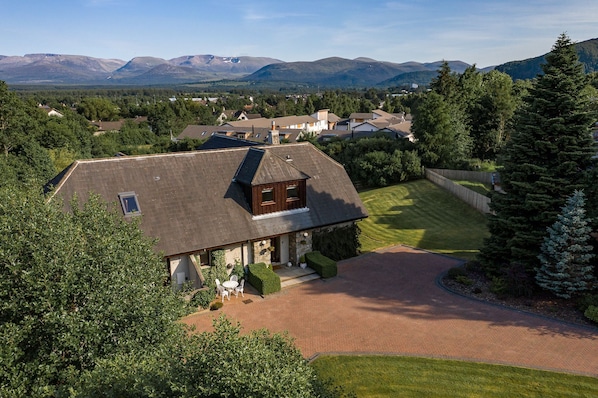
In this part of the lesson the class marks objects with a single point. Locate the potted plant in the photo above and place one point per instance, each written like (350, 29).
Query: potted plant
(302, 262)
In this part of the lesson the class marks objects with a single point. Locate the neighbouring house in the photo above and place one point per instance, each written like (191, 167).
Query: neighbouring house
(307, 123)
(250, 133)
(50, 111)
(257, 203)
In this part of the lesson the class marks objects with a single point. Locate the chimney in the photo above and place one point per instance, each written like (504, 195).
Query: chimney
(273, 136)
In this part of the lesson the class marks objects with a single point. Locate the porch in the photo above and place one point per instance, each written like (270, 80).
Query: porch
(290, 276)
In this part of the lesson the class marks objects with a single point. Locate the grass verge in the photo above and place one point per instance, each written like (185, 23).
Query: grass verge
(420, 214)
(392, 376)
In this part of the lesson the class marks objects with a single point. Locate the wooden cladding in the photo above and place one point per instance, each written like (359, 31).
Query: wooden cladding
(280, 196)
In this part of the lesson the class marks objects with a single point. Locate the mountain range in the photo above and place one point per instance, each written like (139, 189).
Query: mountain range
(60, 70)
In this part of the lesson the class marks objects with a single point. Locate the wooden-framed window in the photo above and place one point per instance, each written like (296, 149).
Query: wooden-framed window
(292, 192)
(267, 195)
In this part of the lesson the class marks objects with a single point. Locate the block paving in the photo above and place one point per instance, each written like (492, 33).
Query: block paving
(389, 302)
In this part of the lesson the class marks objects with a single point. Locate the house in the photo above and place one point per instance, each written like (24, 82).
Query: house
(257, 203)
(305, 123)
(50, 111)
(250, 133)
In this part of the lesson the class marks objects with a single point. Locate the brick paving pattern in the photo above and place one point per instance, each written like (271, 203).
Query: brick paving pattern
(388, 302)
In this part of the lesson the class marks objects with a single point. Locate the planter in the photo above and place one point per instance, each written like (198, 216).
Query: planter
(303, 265)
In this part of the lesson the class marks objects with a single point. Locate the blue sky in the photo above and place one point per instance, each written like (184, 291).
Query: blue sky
(483, 32)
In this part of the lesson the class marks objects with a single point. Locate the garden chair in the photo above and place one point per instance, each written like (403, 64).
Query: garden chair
(234, 278)
(239, 289)
(223, 292)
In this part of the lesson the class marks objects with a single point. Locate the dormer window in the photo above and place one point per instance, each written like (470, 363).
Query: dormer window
(129, 203)
(267, 196)
(292, 192)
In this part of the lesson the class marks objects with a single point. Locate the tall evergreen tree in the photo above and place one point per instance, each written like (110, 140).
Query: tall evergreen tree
(544, 162)
(565, 253)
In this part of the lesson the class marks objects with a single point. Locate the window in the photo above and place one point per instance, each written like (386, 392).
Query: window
(128, 201)
(267, 195)
(292, 192)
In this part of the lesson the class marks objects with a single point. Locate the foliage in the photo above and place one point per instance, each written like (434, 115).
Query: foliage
(587, 300)
(376, 161)
(324, 266)
(338, 243)
(203, 297)
(216, 306)
(75, 289)
(442, 137)
(591, 313)
(455, 272)
(546, 159)
(565, 253)
(264, 279)
(255, 364)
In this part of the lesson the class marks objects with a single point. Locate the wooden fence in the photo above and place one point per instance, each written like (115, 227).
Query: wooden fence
(474, 199)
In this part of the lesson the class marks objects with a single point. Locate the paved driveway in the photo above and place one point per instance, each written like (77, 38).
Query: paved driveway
(388, 302)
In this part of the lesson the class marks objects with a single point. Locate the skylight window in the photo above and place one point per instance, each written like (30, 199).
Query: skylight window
(129, 203)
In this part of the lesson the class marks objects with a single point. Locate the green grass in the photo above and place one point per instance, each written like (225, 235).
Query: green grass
(393, 376)
(478, 187)
(420, 214)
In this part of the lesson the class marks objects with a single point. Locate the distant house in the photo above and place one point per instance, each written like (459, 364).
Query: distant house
(360, 125)
(257, 203)
(50, 111)
(249, 133)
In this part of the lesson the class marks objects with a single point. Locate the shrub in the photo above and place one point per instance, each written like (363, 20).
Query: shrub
(592, 313)
(263, 278)
(216, 306)
(586, 301)
(203, 297)
(338, 243)
(464, 280)
(456, 272)
(324, 266)
(498, 286)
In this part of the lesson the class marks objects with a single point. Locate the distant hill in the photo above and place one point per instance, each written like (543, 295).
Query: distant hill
(531, 67)
(57, 69)
(77, 69)
(335, 72)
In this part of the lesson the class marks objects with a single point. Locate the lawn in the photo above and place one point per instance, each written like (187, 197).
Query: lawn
(420, 214)
(393, 376)
(478, 187)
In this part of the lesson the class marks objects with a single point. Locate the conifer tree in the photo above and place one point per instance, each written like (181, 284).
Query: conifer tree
(565, 253)
(546, 159)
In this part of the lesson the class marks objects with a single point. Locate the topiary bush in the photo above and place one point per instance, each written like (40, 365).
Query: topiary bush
(216, 306)
(324, 266)
(338, 243)
(263, 278)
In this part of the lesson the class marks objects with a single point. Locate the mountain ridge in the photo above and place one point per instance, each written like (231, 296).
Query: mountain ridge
(64, 69)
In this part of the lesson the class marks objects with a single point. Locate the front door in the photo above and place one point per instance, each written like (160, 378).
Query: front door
(280, 255)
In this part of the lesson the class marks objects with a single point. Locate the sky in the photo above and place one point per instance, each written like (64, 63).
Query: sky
(482, 32)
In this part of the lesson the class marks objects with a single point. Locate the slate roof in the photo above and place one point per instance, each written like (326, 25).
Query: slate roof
(189, 201)
(262, 167)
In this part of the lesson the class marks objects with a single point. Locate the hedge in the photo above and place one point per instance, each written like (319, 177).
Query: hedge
(261, 277)
(324, 266)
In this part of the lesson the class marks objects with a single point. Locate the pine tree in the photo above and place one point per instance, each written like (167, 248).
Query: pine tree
(565, 253)
(546, 159)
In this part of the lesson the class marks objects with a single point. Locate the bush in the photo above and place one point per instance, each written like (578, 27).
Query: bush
(592, 313)
(203, 298)
(586, 301)
(338, 243)
(464, 280)
(324, 266)
(216, 306)
(264, 279)
(456, 272)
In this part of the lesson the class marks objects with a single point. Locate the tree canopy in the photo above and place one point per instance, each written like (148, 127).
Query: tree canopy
(547, 158)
